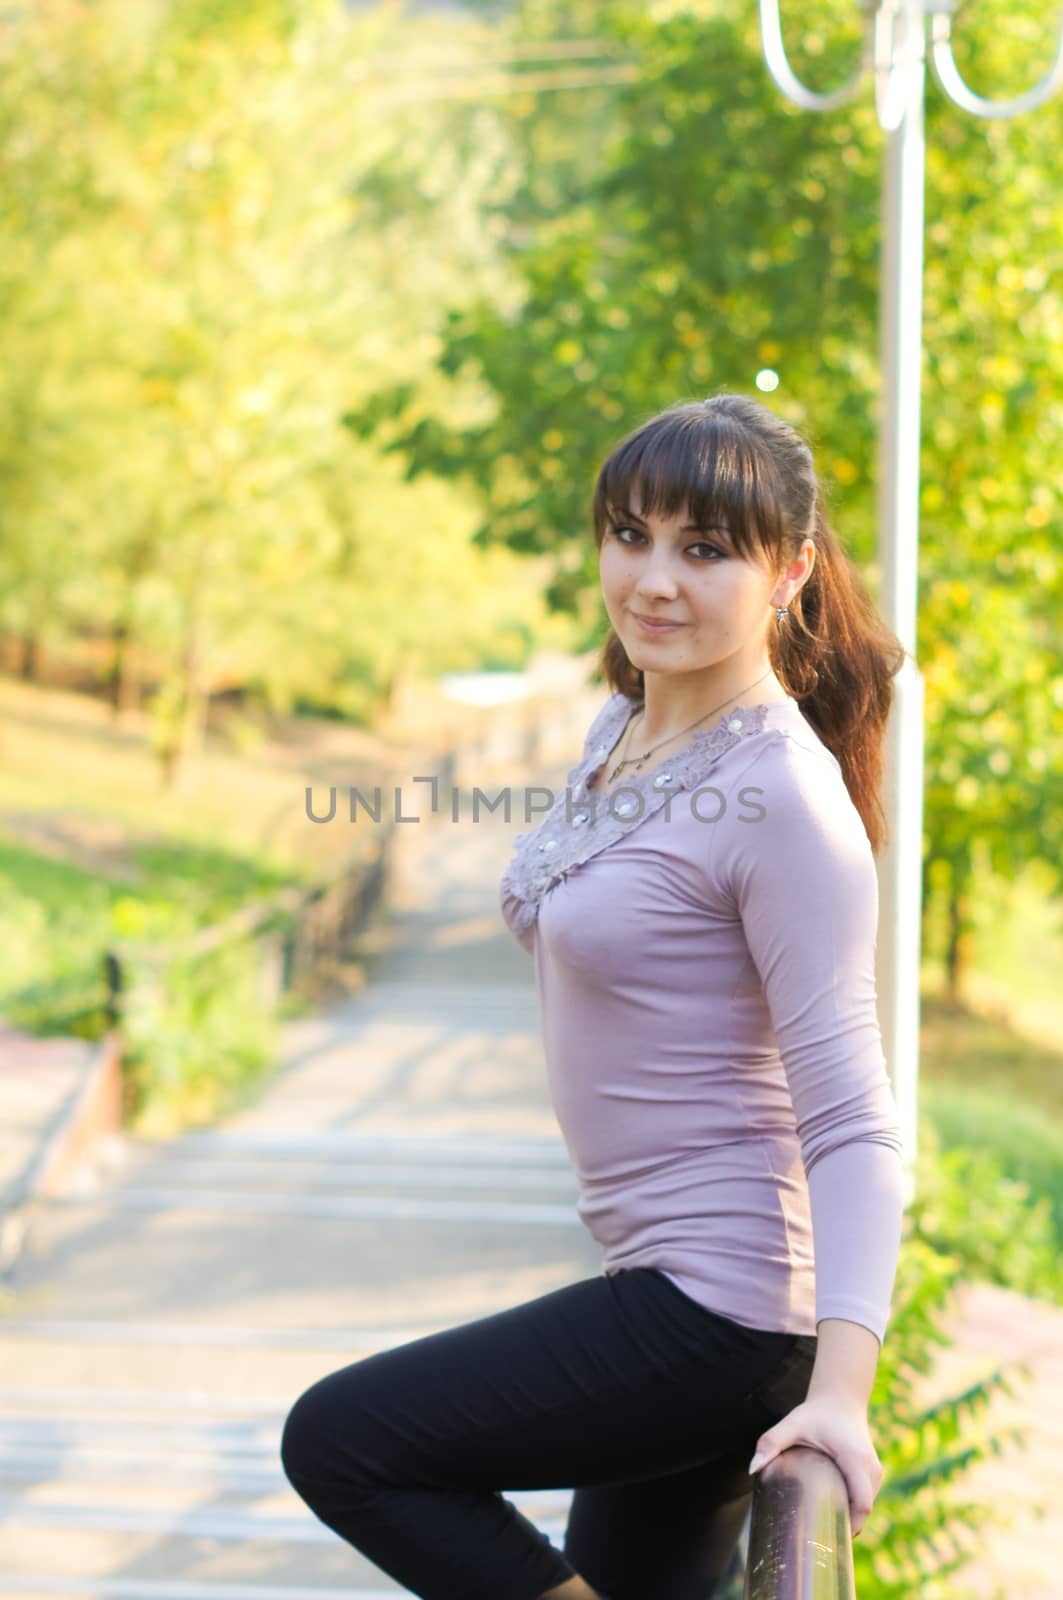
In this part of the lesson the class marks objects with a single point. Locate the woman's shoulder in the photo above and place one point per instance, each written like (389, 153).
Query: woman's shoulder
(800, 785)
(800, 745)
(778, 733)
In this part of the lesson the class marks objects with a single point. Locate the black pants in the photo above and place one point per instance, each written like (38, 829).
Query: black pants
(620, 1387)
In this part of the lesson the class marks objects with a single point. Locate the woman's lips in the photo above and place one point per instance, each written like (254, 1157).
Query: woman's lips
(656, 627)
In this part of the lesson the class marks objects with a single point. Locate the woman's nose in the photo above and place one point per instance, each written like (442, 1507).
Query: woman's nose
(655, 578)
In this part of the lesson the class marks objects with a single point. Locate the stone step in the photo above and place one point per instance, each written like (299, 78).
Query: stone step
(46, 1586)
(95, 1482)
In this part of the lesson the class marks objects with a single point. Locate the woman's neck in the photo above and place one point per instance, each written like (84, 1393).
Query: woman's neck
(663, 718)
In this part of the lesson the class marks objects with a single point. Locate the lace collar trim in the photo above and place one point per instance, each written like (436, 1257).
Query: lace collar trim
(581, 823)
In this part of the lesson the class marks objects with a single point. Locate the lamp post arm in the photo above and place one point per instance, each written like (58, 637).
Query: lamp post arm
(781, 71)
(948, 74)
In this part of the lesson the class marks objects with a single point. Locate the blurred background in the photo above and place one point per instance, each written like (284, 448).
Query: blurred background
(318, 321)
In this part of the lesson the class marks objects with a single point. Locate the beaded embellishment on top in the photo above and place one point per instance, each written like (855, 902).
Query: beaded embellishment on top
(581, 822)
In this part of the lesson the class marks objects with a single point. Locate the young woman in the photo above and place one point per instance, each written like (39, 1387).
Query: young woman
(701, 906)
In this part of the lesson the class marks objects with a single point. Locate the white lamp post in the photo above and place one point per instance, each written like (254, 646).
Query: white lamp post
(895, 51)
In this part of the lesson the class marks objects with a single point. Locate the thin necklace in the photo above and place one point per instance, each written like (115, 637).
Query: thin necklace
(639, 761)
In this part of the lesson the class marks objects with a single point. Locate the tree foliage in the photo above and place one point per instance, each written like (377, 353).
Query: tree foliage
(315, 345)
(719, 231)
(199, 277)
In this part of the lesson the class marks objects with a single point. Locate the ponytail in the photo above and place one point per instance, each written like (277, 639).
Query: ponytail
(836, 655)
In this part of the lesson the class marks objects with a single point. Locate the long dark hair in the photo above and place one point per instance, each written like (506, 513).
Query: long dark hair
(731, 460)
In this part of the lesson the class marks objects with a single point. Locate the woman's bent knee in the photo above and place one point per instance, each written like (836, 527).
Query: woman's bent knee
(304, 1438)
(330, 1438)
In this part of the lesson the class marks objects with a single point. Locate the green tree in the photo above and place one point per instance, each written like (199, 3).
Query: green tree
(720, 230)
(221, 277)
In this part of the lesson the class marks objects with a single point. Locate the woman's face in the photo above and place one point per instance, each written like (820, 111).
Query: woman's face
(720, 601)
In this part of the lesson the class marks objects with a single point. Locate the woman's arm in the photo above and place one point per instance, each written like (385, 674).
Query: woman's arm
(846, 1359)
(803, 882)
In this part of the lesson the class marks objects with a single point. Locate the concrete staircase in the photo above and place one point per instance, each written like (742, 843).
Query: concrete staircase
(403, 1172)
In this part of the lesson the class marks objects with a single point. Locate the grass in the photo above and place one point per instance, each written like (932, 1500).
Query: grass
(93, 847)
(963, 1048)
(76, 781)
(991, 1070)
(1029, 1145)
(985, 1086)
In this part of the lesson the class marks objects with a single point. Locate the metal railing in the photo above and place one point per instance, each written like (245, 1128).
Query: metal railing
(295, 931)
(800, 1536)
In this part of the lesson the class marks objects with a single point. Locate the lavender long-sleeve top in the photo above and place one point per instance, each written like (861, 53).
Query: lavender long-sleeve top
(705, 966)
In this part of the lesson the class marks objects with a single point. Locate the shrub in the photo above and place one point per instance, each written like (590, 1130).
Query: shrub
(196, 1034)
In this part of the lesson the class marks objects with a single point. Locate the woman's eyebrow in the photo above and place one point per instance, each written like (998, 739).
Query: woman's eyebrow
(690, 527)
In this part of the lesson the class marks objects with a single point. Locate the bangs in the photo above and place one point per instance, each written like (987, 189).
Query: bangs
(692, 459)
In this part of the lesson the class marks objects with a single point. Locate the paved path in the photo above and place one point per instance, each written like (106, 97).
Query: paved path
(402, 1173)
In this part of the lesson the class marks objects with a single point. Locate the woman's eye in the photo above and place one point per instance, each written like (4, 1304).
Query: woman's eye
(701, 545)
